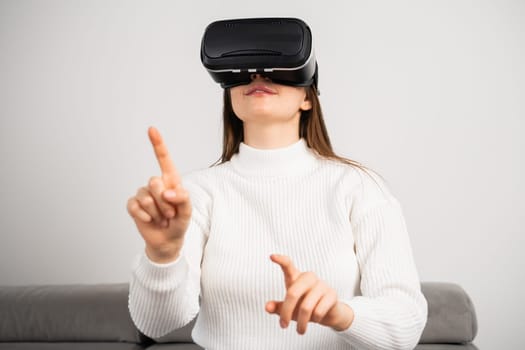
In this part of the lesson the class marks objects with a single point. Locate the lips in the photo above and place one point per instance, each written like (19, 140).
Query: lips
(259, 89)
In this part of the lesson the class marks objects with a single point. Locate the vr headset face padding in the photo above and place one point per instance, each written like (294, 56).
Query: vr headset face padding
(278, 48)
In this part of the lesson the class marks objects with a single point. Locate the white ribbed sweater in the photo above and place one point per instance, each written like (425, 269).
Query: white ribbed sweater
(328, 217)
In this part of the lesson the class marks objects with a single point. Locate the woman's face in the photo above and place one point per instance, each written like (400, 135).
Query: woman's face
(267, 102)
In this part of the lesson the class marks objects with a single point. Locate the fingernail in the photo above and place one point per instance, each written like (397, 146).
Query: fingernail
(169, 214)
(170, 194)
(282, 323)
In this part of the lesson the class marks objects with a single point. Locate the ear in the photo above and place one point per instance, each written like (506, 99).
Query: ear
(306, 104)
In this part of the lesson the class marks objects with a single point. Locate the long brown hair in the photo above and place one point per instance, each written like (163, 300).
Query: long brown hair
(311, 127)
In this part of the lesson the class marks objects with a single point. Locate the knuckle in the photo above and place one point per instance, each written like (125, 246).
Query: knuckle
(305, 309)
(146, 201)
(144, 192)
(317, 315)
(323, 287)
(153, 181)
(310, 275)
(131, 205)
(141, 191)
(292, 294)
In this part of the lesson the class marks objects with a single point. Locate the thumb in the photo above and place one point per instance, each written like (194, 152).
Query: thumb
(180, 198)
(274, 307)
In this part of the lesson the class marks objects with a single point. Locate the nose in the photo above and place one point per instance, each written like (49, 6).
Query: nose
(254, 76)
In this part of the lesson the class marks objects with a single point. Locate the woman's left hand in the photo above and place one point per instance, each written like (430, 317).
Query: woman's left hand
(308, 299)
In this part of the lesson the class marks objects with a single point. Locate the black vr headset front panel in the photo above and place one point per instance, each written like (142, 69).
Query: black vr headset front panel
(278, 48)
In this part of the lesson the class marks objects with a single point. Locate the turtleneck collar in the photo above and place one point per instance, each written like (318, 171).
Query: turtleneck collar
(291, 160)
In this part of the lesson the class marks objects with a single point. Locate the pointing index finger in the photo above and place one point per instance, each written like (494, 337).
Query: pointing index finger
(170, 176)
(290, 271)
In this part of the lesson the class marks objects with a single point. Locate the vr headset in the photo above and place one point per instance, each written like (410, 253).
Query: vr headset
(278, 48)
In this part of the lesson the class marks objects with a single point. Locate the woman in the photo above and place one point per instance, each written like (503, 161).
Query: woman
(280, 205)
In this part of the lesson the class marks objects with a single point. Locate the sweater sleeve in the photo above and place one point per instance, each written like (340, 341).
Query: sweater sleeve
(165, 297)
(391, 311)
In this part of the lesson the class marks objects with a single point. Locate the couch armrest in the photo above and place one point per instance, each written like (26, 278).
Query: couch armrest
(71, 313)
(451, 314)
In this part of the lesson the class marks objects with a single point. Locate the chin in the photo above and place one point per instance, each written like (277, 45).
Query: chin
(261, 112)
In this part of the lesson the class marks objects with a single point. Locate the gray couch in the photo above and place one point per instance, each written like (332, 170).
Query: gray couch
(81, 317)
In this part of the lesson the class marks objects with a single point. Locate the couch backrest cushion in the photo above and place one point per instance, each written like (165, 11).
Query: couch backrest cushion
(99, 313)
(451, 314)
(66, 313)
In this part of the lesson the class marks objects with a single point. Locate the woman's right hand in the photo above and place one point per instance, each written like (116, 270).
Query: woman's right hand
(162, 209)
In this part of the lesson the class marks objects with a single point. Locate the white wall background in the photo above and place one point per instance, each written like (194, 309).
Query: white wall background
(429, 93)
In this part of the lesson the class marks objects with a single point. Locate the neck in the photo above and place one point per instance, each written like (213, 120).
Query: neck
(271, 135)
